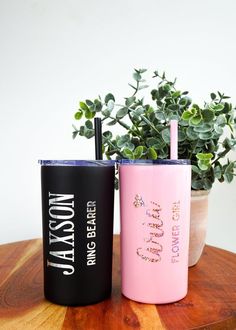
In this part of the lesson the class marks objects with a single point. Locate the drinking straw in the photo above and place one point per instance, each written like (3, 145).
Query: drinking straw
(173, 139)
(98, 138)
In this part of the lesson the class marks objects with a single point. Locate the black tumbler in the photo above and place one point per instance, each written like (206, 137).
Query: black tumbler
(77, 212)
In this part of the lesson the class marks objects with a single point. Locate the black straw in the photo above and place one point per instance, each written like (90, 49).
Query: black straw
(98, 138)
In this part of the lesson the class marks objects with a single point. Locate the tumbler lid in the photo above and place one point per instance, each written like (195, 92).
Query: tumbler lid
(77, 162)
(154, 162)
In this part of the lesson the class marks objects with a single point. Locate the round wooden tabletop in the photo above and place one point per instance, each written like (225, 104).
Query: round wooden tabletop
(210, 303)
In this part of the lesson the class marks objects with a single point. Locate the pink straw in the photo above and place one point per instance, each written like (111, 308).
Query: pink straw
(173, 139)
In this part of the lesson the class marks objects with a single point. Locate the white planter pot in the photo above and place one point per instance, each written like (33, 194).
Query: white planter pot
(198, 225)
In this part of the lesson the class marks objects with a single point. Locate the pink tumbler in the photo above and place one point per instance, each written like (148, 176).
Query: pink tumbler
(155, 216)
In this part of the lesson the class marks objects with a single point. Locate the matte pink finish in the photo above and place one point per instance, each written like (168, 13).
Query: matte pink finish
(155, 215)
(173, 139)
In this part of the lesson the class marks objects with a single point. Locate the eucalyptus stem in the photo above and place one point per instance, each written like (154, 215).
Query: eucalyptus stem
(118, 121)
(230, 127)
(134, 124)
(221, 155)
(137, 88)
(149, 123)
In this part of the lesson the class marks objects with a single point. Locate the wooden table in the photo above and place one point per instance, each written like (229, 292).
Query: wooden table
(210, 303)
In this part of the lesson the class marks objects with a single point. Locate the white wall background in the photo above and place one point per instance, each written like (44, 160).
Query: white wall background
(54, 53)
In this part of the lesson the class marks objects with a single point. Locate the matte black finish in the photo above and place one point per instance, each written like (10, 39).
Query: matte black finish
(98, 137)
(67, 223)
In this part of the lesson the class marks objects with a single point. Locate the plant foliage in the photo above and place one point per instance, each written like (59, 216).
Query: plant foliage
(206, 133)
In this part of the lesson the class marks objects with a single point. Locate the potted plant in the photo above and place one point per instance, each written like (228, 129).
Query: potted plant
(205, 134)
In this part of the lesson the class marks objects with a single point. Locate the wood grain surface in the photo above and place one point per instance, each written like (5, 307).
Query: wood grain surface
(210, 303)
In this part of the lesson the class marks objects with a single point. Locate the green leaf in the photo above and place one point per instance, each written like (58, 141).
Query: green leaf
(217, 171)
(204, 156)
(154, 142)
(128, 153)
(88, 133)
(81, 131)
(228, 177)
(121, 112)
(110, 105)
(89, 103)
(203, 128)
(137, 76)
(138, 152)
(229, 172)
(204, 160)
(229, 143)
(142, 70)
(160, 116)
(183, 123)
(112, 122)
(227, 107)
(106, 112)
(83, 106)
(130, 145)
(135, 140)
(208, 115)
(196, 169)
(78, 115)
(173, 107)
(97, 105)
(203, 165)
(221, 120)
(74, 134)
(183, 102)
(166, 135)
(181, 136)
(196, 108)
(122, 140)
(107, 135)
(186, 115)
(174, 116)
(167, 87)
(191, 134)
(197, 184)
(176, 94)
(196, 120)
(130, 100)
(138, 111)
(89, 114)
(93, 108)
(194, 111)
(213, 96)
(218, 129)
(89, 124)
(200, 144)
(109, 97)
(145, 149)
(205, 136)
(207, 184)
(151, 153)
(163, 154)
(218, 107)
(156, 74)
(143, 86)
